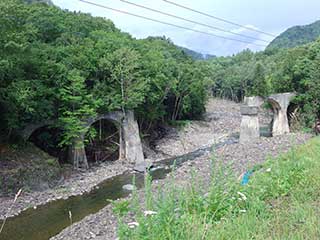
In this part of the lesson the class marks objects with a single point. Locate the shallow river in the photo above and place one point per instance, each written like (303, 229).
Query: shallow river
(48, 220)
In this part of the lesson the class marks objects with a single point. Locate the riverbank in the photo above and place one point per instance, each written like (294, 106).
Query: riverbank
(222, 118)
(103, 225)
(279, 201)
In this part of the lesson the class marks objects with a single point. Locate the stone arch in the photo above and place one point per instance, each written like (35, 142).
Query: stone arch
(280, 123)
(29, 129)
(280, 103)
(77, 152)
(130, 143)
(33, 131)
(116, 118)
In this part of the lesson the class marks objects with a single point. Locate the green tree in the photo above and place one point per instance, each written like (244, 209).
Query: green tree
(78, 105)
(260, 86)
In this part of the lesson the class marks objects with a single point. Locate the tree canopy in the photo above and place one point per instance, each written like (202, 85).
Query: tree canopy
(68, 66)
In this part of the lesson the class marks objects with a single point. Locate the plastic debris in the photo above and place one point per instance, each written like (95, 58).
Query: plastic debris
(246, 177)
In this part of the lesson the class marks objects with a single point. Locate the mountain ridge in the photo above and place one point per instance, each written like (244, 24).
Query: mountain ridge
(296, 36)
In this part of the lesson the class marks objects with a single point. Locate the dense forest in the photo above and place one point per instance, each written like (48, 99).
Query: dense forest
(67, 66)
(297, 36)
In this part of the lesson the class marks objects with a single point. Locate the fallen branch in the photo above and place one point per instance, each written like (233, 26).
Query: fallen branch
(9, 210)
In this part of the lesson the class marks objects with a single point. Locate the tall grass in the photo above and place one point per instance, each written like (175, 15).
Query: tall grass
(281, 201)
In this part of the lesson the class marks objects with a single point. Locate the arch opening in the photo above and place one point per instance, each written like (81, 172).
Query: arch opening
(102, 142)
(294, 117)
(275, 105)
(47, 138)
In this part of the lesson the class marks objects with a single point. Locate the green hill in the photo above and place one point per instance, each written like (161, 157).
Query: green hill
(296, 36)
(196, 55)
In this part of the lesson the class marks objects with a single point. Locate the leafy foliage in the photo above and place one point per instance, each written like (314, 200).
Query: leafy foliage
(67, 66)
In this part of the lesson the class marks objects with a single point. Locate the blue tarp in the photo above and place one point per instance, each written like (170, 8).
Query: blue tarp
(246, 177)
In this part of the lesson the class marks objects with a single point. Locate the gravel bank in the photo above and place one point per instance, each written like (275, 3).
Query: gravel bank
(78, 184)
(103, 224)
(222, 118)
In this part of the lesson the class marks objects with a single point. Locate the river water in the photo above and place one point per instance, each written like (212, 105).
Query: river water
(48, 220)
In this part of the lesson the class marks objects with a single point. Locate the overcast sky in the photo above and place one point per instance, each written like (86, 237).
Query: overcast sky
(272, 16)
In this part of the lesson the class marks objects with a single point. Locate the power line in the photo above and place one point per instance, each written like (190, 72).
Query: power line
(192, 21)
(218, 18)
(169, 24)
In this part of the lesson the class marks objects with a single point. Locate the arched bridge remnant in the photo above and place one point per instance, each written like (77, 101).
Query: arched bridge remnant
(280, 103)
(249, 112)
(28, 130)
(130, 147)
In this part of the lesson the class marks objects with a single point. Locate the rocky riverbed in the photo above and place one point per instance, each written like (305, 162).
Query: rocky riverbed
(103, 225)
(221, 120)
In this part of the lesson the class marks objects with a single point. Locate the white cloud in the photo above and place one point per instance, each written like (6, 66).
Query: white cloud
(245, 11)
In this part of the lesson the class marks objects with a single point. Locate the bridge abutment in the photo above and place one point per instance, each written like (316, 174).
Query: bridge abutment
(249, 128)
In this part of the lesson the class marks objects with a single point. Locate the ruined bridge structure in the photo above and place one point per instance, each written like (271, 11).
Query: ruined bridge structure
(130, 147)
(250, 129)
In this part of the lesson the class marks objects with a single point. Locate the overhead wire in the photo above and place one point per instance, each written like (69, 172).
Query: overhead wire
(219, 18)
(169, 24)
(192, 21)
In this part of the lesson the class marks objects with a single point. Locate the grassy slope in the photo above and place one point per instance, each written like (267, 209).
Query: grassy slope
(281, 201)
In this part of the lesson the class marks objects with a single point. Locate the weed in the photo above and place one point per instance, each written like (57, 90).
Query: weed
(279, 202)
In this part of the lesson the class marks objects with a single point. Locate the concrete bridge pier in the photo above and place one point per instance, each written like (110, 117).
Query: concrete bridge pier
(280, 103)
(130, 147)
(249, 128)
(77, 154)
(131, 140)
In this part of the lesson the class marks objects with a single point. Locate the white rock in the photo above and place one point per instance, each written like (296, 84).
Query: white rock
(148, 213)
(128, 187)
(133, 224)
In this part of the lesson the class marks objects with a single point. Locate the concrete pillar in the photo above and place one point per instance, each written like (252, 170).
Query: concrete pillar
(249, 128)
(132, 141)
(77, 154)
(280, 103)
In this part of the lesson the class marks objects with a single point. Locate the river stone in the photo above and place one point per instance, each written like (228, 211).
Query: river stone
(143, 166)
(155, 168)
(128, 187)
